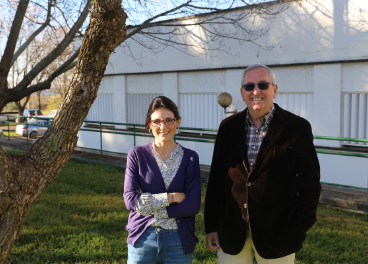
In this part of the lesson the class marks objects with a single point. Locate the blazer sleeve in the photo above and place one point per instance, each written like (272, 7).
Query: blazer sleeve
(132, 190)
(308, 182)
(215, 194)
(192, 203)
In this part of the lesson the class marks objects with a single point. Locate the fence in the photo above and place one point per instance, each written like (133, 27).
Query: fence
(136, 134)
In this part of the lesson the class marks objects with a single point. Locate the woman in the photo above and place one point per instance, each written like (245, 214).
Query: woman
(162, 191)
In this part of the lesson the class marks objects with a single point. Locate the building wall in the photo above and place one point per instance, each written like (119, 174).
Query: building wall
(307, 32)
(320, 58)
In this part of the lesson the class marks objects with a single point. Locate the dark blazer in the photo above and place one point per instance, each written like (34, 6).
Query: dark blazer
(279, 196)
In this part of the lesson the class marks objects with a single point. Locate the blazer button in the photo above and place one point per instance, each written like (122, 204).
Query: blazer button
(178, 221)
(245, 205)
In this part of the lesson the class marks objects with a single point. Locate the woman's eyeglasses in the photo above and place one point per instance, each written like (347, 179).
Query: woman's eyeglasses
(261, 85)
(167, 122)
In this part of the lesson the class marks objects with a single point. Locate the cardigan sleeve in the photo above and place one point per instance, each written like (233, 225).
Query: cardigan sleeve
(192, 203)
(132, 190)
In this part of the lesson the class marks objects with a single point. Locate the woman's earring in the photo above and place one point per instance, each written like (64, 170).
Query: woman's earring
(149, 130)
(177, 130)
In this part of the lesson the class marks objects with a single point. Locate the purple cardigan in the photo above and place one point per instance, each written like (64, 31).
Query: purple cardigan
(142, 172)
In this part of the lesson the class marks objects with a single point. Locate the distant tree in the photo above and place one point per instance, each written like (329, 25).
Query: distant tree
(33, 31)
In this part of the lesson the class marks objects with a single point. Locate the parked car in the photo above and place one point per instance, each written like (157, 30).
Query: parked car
(1, 133)
(34, 128)
(53, 113)
(9, 118)
(32, 112)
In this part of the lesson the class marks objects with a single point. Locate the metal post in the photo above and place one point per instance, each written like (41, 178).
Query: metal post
(8, 129)
(101, 136)
(134, 134)
(27, 129)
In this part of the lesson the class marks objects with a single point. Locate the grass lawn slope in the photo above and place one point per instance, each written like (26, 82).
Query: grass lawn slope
(81, 218)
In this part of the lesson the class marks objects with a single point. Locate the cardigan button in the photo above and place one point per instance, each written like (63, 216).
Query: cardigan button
(245, 205)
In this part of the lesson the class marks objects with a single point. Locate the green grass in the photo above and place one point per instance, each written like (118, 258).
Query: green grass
(12, 134)
(6, 124)
(81, 218)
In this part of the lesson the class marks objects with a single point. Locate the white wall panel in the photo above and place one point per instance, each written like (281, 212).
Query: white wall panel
(355, 77)
(202, 82)
(102, 108)
(200, 111)
(145, 84)
(300, 104)
(354, 116)
(355, 113)
(362, 117)
(138, 106)
(346, 116)
(298, 79)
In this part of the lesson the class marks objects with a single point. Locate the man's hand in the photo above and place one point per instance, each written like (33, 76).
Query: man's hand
(212, 241)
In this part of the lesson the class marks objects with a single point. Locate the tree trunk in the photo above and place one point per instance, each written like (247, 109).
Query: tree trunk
(39, 99)
(20, 108)
(24, 177)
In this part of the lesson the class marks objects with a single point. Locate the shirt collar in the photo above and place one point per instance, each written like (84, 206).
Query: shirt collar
(265, 120)
(173, 154)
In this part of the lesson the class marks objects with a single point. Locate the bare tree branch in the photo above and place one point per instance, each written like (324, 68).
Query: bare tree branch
(34, 34)
(56, 52)
(6, 60)
(147, 22)
(215, 26)
(69, 64)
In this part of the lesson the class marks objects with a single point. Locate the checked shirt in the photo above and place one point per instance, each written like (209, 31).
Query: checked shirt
(255, 135)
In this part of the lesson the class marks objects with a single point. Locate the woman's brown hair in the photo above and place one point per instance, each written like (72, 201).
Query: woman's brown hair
(161, 102)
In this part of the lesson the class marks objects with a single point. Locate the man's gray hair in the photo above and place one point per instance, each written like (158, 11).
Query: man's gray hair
(255, 66)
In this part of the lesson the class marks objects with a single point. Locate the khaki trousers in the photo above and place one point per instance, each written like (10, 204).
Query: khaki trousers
(248, 253)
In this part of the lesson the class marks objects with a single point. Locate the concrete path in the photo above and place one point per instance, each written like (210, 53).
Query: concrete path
(344, 197)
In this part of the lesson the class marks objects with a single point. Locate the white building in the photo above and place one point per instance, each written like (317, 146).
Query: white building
(321, 63)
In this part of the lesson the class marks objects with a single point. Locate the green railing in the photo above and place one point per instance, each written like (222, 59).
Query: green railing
(26, 123)
(135, 134)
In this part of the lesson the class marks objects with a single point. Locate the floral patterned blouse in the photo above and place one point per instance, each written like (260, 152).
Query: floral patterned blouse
(157, 203)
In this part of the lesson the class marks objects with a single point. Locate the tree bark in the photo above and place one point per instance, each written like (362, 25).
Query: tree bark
(39, 99)
(20, 108)
(24, 177)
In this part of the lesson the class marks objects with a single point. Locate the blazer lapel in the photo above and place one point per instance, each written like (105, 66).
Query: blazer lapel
(240, 135)
(277, 125)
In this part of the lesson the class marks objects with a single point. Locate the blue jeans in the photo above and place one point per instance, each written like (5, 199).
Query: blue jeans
(158, 245)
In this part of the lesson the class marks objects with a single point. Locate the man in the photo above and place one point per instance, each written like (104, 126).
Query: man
(264, 183)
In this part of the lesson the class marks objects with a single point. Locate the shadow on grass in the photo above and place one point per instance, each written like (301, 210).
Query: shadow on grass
(69, 258)
(80, 218)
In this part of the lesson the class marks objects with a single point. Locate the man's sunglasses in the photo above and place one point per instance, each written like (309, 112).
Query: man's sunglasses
(167, 122)
(261, 85)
